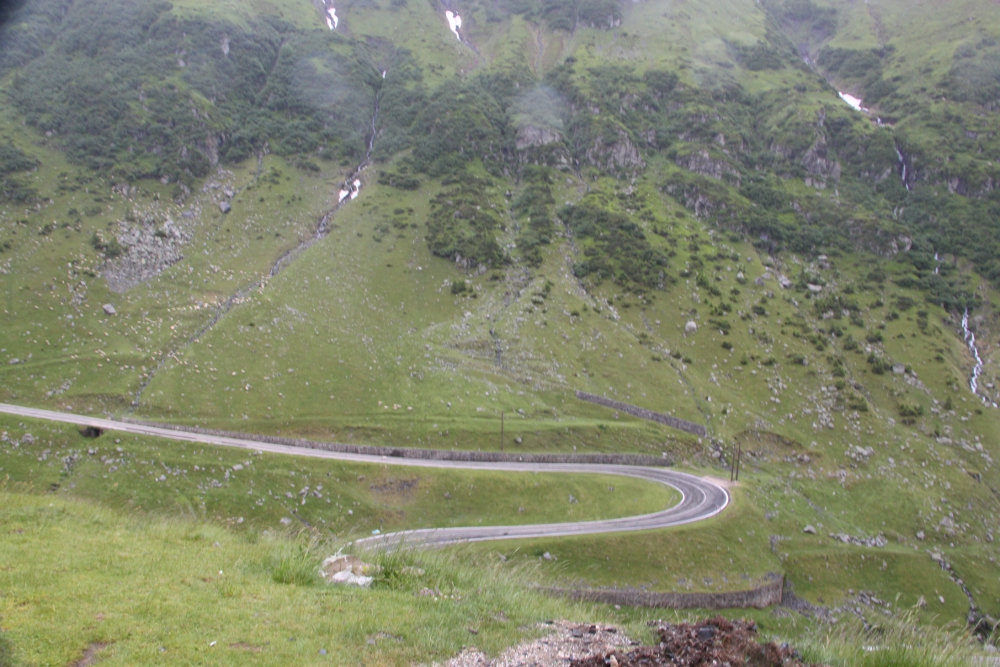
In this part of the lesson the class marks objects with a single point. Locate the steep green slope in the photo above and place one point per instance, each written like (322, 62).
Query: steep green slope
(551, 200)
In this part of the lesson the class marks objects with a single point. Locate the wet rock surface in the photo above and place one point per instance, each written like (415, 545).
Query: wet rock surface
(715, 641)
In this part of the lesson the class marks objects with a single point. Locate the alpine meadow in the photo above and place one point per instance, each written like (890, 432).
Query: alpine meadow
(500, 332)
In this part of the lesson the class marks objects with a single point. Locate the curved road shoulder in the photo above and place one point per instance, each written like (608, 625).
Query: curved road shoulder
(700, 498)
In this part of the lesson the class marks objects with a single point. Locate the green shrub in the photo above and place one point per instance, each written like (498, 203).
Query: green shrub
(911, 410)
(616, 248)
(760, 56)
(462, 224)
(109, 246)
(13, 159)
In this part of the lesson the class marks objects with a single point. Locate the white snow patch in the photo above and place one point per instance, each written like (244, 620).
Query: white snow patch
(853, 102)
(351, 190)
(454, 22)
(332, 11)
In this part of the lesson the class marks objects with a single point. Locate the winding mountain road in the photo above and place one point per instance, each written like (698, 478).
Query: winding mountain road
(700, 497)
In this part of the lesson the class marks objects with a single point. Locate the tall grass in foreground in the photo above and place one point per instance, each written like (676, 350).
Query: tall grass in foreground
(157, 591)
(893, 642)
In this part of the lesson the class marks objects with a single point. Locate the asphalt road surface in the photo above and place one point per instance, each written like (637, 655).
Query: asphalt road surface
(700, 498)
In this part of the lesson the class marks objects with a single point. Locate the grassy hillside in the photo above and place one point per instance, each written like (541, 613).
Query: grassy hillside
(550, 201)
(81, 578)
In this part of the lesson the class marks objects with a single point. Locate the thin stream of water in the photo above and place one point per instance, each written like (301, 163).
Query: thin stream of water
(977, 369)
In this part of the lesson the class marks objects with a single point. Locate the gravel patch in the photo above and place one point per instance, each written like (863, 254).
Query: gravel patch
(567, 642)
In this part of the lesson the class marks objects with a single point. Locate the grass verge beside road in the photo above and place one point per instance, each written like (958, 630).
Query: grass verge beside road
(343, 499)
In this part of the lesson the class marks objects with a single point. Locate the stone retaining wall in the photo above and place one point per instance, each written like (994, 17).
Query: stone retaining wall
(427, 454)
(757, 598)
(643, 413)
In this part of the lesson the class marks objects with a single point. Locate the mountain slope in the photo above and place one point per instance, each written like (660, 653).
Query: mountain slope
(546, 202)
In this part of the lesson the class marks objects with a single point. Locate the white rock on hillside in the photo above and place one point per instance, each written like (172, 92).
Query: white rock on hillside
(347, 570)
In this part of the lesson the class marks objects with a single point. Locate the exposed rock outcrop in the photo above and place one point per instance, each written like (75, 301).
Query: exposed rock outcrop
(702, 162)
(615, 154)
(541, 145)
(148, 247)
(818, 162)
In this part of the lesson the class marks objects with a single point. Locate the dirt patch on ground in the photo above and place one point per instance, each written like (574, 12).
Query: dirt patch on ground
(89, 656)
(391, 486)
(715, 641)
(765, 441)
(243, 646)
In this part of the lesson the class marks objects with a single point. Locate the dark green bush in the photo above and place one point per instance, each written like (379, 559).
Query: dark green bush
(616, 248)
(462, 224)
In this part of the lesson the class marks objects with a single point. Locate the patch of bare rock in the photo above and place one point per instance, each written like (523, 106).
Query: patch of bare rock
(148, 246)
(567, 642)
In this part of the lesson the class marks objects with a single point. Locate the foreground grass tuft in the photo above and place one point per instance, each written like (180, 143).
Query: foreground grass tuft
(898, 641)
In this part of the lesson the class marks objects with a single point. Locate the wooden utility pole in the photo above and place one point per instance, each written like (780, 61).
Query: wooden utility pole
(739, 455)
(732, 465)
(501, 431)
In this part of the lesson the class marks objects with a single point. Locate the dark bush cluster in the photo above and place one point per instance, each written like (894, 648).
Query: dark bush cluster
(462, 225)
(127, 86)
(615, 248)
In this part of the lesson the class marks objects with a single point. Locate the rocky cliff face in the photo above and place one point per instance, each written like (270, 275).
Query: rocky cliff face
(701, 162)
(619, 156)
(541, 145)
(818, 162)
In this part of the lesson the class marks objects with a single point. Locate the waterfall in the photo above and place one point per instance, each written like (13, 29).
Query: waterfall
(977, 370)
(902, 161)
(352, 186)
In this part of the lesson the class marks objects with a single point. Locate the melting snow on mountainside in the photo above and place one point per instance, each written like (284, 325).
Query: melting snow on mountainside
(454, 22)
(852, 101)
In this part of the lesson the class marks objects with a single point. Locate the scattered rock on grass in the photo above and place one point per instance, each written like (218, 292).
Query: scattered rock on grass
(109, 309)
(809, 529)
(690, 327)
(347, 570)
(877, 542)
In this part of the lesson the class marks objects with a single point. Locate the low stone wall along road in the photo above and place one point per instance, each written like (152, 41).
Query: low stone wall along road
(700, 498)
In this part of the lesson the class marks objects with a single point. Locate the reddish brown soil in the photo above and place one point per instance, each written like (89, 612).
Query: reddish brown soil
(715, 641)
